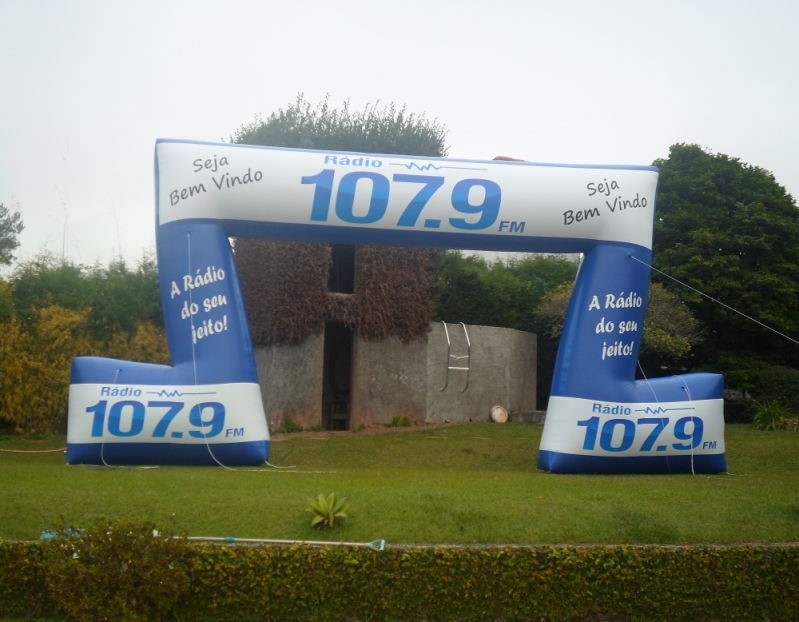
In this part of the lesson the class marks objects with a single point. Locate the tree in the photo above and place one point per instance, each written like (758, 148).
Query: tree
(498, 294)
(52, 310)
(731, 231)
(10, 227)
(670, 331)
(374, 130)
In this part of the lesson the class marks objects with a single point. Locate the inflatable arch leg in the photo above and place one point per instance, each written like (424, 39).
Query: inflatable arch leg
(600, 419)
(207, 408)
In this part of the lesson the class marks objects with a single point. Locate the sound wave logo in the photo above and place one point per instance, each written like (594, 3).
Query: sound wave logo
(659, 410)
(426, 167)
(176, 393)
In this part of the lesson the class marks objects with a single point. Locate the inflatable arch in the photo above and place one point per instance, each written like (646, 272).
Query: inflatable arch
(207, 407)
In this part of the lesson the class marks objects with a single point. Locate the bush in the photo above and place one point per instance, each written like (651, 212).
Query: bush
(23, 586)
(289, 427)
(35, 363)
(117, 571)
(434, 583)
(779, 383)
(770, 415)
(51, 311)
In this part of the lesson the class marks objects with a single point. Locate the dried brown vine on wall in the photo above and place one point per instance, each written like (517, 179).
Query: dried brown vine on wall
(393, 290)
(285, 291)
(284, 285)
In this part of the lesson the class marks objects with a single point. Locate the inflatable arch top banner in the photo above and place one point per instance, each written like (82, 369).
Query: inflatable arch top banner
(207, 408)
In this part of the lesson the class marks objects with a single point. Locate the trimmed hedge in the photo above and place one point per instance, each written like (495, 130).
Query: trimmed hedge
(486, 583)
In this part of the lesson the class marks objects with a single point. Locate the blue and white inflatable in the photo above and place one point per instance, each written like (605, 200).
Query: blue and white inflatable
(207, 407)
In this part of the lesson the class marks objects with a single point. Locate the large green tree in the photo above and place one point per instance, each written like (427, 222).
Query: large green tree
(731, 231)
(375, 129)
(10, 227)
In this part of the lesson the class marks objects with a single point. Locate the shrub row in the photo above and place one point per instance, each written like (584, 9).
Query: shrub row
(496, 583)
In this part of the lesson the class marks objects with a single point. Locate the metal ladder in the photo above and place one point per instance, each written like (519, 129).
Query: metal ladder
(451, 357)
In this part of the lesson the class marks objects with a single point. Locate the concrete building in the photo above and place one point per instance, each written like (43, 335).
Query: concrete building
(367, 382)
(343, 339)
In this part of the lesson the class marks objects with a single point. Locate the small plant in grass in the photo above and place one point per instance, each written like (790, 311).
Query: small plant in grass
(317, 428)
(770, 415)
(325, 510)
(396, 422)
(289, 427)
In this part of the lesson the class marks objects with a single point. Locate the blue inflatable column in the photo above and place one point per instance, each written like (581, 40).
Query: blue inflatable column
(599, 418)
(206, 408)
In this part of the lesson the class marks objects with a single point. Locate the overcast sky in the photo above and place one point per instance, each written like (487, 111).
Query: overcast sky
(86, 87)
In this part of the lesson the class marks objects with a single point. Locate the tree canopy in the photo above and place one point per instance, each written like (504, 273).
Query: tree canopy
(731, 231)
(10, 227)
(373, 130)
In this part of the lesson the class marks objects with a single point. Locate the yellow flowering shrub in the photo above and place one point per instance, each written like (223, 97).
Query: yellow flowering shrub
(35, 365)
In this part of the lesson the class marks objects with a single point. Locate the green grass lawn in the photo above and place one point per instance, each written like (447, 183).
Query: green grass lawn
(474, 483)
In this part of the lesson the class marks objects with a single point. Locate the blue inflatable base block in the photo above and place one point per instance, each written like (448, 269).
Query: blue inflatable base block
(251, 453)
(574, 464)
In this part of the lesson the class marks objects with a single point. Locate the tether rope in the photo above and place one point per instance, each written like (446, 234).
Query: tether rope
(30, 451)
(774, 330)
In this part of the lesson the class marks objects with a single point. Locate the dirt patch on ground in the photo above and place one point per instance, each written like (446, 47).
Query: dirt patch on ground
(366, 431)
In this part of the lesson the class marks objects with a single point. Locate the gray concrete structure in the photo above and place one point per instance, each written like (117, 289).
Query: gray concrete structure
(503, 373)
(391, 379)
(291, 382)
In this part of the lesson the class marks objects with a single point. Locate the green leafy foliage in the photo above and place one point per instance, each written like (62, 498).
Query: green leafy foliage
(670, 330)
(730, 230)
(569, 583)
(23, 584)
(503, 294)
(770, 415)
(325, 510)
(10, 227)
(116, 571)
(116, 296)
(289, 426)
(779, 383)
(399, 422)
(374, 130)
(52, 310)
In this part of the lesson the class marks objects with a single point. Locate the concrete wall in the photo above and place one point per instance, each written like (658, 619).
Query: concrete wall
(503, 373)
(391, 379)
(291, 382)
